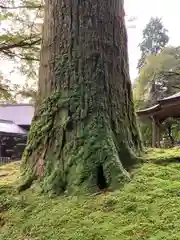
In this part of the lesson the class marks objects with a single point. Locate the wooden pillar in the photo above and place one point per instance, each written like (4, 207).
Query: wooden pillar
(157, 134)
(154, 134)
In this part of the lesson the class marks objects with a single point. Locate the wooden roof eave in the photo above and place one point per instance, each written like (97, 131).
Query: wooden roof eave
(13, 134)
(148, 112)
(172, 98)
(166, 107)
(166, 101)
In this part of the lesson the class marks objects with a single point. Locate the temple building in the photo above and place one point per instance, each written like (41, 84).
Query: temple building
(15, 121)
(165, 108)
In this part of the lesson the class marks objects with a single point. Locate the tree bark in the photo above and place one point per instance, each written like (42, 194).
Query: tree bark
(84, 135)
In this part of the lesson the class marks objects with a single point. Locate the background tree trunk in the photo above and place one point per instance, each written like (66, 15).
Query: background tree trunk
(84, 134)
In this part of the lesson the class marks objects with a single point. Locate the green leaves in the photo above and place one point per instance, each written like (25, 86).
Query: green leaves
(154, 40)
(5, 90)
(159, 78)
(20, 38)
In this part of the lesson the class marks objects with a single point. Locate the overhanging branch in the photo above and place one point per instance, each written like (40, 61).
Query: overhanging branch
(170, 73)
(21, 44)
(22, 7)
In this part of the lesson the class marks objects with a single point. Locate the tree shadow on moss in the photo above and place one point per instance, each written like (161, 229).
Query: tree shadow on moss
(165, 162)
(4, 189)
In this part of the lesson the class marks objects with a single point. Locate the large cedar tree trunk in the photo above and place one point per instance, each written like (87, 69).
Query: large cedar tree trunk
(84, 134)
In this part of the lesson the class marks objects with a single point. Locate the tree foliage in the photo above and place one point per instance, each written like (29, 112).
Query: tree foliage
(159, 78)
(154, 40)
(5, 91)
(20, 36)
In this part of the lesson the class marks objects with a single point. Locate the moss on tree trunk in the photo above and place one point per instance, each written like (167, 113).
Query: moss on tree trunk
(84, 133)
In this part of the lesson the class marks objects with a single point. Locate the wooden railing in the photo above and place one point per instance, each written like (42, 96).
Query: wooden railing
(5, 160)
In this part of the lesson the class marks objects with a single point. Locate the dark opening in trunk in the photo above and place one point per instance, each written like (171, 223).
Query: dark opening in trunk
(101, 180)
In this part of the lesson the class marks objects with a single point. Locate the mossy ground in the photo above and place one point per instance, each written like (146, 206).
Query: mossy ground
(146, 208)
